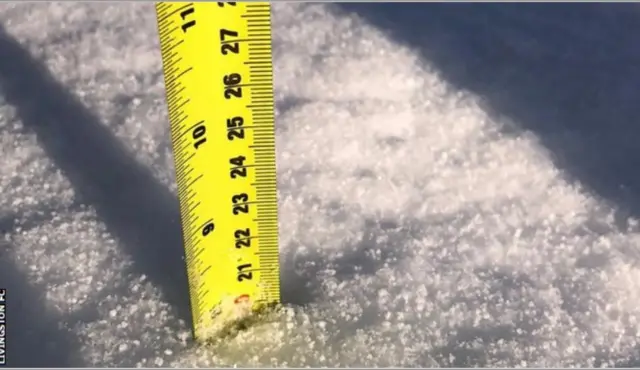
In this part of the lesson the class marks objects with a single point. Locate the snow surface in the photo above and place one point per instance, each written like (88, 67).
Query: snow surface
(418, 226)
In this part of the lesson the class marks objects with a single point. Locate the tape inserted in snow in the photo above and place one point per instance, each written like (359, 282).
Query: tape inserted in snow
(219, 83)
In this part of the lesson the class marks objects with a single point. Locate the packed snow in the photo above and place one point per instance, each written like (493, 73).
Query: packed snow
(418, 227)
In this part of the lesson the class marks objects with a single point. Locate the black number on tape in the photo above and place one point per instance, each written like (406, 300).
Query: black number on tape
(231, 89)
(234, 128)
(240, 203)
(243, 238)
(198, 134)
(239, 170)
(183, 15)
(244, 275)
(209, 227)
(228, 46)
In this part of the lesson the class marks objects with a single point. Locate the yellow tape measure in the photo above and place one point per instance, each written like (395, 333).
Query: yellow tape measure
(219, 82)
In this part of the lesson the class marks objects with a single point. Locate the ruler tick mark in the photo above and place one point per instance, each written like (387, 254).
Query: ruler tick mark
(162, 19)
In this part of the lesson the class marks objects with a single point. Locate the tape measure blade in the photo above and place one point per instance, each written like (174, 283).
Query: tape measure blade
(219, 88)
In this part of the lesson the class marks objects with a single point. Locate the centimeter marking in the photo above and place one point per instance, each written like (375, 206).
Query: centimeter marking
(219, 87)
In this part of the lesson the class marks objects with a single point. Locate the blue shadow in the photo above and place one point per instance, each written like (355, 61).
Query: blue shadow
(570, 73)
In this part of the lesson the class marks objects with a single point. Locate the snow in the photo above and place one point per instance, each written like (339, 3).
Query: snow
(417, 227)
